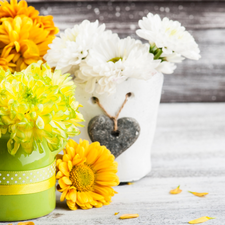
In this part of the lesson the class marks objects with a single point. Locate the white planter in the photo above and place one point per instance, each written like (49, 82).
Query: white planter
(135, 162)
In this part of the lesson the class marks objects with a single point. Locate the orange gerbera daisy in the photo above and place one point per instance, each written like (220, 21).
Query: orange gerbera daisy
(24, 35)
(86, 174)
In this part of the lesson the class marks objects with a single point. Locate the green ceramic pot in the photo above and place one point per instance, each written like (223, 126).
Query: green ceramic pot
(26, 206)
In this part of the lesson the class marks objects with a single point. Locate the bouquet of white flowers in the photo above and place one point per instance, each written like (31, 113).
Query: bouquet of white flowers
(100, 60)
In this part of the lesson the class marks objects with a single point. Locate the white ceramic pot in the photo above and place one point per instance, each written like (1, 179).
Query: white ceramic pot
(135, 162)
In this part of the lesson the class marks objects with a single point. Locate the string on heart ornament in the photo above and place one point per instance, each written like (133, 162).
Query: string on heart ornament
(113, 118)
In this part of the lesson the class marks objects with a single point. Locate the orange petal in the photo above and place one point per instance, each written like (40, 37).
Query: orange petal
(63, 167)
(62, 184)
(70, 165)
(83, 197)
(63, 195)
(199, 194)
(66, 180)
(116, 213)
(71, 205)
(107, 183)
(70, 151)
(72, 195)
(97, 196)
(59, 175)
(176, 191)
(201, 220)
(26, 223)
(72, 143)
(128, 216)
(99, 205)
(67, 157)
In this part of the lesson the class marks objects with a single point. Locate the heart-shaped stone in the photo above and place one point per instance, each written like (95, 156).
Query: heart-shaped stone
(100, 129)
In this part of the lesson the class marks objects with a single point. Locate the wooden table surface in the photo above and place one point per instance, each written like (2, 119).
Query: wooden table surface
(188, 150)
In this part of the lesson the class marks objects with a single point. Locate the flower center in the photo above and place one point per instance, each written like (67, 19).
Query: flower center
(29, 97)
(82, 177)
(116, 59)
(171, 32)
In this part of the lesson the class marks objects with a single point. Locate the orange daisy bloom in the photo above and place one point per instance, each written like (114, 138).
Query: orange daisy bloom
(86, 174)
(24, 35)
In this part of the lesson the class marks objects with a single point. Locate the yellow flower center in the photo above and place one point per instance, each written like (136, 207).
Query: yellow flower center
(82, 177)
(116, 59)
(29, 97)
(171, 32)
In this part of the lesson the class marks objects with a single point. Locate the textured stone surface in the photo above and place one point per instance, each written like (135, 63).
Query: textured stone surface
(100, 129)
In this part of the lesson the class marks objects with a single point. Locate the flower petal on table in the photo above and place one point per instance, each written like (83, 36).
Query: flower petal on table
(26, 223)
(201, 220)
(199, 194)
(176, 191)
(128, 216)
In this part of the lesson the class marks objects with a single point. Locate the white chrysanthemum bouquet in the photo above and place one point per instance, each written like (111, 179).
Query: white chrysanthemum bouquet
(100, 60)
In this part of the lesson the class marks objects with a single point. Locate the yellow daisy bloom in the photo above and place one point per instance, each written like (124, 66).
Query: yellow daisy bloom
(24, 35)
(86, 174)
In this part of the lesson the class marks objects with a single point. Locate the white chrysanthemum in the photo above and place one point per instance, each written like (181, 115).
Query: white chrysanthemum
(167, 66)
(112, 61)
(168, 34)
(67, 52)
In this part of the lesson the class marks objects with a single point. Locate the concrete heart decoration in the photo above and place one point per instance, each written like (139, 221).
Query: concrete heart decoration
(116, 135)
(101, 129)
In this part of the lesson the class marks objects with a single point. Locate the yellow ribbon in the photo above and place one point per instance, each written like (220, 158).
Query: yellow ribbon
(21, 189)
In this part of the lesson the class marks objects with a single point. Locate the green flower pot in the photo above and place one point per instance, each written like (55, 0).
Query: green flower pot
(26, 170)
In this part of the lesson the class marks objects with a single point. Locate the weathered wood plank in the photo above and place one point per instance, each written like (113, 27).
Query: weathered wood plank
(189, 137)
(201, 81)
(122, 17)
(188, 150)
(123, 0)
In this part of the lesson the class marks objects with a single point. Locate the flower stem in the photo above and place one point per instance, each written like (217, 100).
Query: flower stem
(158, 53)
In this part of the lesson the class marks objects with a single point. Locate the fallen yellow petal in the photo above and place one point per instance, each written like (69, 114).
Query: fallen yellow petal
(116, 213)
(201, 220)
(128, 216)
(130, 183)
(176, 191)
(199, 194)
(26, 223)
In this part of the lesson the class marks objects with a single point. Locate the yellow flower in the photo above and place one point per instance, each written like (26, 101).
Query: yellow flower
(86, 174)
(13, 9)
(24, 35)
(37, 105)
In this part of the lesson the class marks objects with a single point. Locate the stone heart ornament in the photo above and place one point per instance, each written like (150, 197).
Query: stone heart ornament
(101, 129)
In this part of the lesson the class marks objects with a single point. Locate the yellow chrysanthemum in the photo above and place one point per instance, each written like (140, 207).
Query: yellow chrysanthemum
(24, 35)
(86, 174)
(37, 105)
(15, 8)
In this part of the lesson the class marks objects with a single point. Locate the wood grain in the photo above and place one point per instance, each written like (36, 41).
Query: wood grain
(122, 0)
(193, 81)
(188, 150)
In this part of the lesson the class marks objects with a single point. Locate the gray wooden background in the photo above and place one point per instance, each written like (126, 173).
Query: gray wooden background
(193, 81)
